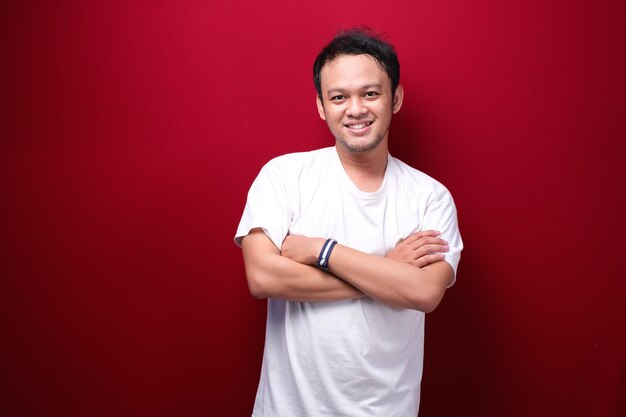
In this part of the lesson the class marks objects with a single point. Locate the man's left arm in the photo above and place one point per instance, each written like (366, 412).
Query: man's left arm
(390, 281)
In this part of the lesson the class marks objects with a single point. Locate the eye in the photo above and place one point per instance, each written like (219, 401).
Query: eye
(337, 98)
(371, 94)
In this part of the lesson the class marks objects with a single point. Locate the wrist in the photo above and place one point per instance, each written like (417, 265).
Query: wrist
(326, 250)
(315, 247)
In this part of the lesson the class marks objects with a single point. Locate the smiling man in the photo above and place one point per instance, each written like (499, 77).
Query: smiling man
(351, 247)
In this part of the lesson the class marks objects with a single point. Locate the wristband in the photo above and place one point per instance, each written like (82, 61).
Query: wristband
(322, 260)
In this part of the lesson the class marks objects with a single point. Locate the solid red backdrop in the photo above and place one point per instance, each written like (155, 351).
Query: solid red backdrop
(131, 132)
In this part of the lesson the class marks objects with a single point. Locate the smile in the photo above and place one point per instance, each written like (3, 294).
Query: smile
(358, 126)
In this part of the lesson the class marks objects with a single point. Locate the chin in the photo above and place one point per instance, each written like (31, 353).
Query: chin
(360, 147)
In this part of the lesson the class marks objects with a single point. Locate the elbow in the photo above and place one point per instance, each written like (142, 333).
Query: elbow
(256, 288)
(430, 305)
(258, 284)
(256, 293)
(427, 303)
(428, 296)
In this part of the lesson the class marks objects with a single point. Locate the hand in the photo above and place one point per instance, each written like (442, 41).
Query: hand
(420, 249)
(302, 249)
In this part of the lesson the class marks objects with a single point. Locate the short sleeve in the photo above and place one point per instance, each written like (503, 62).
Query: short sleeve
(267, 206)
(441, 215)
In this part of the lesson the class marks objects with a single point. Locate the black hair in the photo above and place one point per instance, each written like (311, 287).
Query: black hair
(359, 41)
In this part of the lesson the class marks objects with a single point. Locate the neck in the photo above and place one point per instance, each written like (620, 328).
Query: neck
(365, 169)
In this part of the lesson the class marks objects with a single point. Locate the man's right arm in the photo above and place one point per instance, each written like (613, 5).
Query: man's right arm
(271, 275)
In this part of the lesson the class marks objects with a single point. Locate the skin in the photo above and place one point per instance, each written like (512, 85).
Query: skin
(355, 91)
(357, 104)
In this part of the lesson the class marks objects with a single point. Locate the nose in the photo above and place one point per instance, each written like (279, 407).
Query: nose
(356, 108)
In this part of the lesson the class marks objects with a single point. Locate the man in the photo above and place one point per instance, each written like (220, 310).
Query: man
(351, 247)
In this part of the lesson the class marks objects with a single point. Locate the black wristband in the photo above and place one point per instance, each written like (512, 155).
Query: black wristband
(322, 260)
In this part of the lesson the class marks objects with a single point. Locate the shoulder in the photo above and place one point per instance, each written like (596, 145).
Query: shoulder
(297, 161)
(418, 182)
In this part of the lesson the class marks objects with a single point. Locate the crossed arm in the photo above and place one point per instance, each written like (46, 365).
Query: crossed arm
(412, 275)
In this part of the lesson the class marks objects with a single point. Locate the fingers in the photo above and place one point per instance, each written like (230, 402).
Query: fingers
(422, 234)
(420, 248)
(428, 259)
(430, 249)
(425, 243)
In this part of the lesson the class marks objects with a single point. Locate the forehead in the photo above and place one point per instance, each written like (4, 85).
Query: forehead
(352, 70)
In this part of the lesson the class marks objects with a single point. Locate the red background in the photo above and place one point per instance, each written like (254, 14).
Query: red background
(131, 132)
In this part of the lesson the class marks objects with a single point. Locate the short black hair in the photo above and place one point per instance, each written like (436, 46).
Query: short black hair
(359, 41)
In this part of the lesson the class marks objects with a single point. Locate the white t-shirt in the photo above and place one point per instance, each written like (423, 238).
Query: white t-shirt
(356, 358)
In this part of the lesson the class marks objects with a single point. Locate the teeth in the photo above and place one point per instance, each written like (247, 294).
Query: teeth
(359, 126)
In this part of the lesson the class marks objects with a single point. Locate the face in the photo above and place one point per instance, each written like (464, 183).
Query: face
(357, 103)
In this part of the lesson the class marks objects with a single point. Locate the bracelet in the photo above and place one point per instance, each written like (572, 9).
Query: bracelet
(322, 260)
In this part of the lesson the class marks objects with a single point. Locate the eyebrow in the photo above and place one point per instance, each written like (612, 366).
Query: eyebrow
(363, 87)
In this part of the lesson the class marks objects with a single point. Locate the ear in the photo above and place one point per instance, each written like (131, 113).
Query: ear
(397, 99)
(320, 107)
